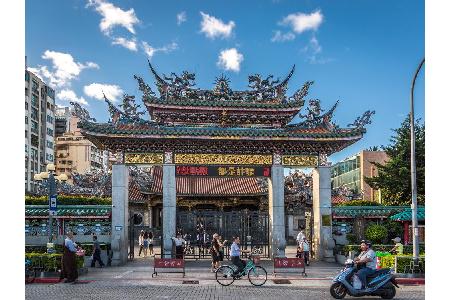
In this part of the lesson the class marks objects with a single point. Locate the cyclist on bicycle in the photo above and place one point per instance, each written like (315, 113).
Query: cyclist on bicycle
(235, 253)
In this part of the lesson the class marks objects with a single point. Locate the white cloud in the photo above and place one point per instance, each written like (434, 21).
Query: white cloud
(69, 95)
(313, 49)
(230, 59)
(213, 27)
(282, 37)
(150, 51)
(129, 44)
(64, 68)
(114, 16)
(96, 90)
(181, 17)
(301, 22)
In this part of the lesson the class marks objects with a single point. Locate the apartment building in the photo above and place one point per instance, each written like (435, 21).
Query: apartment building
(349, 174)
(39, 127)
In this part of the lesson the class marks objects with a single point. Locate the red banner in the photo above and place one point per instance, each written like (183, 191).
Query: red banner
(288, 263)
(169, 263)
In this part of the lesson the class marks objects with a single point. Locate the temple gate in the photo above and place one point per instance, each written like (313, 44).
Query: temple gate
(220, 128)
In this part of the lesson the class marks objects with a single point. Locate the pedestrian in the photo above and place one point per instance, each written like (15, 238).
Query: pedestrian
(145, 242)
(179, 241)
(215, 252)
(304, 247)
(222, 245)
(96, 254)
(69, 260)
(141, 242)
(150, 243)
(300, 237)
(398, 247)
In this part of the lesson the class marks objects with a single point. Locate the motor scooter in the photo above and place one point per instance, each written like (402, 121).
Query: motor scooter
(382, 283)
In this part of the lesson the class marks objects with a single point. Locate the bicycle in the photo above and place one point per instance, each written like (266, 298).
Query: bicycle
(257, 275)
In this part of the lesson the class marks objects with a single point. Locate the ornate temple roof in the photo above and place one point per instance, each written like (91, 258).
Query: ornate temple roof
(182, 117)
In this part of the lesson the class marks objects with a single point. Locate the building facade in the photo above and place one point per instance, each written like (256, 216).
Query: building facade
(348, 175)
(75, 153)
(39, 127)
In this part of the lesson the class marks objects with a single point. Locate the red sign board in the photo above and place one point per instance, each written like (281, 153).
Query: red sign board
(288, 263)
(169, 263)
(223, 171)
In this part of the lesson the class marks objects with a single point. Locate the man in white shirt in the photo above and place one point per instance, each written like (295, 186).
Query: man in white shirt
(235, 253)
(300, 237)
(367, 259)
(179, 241)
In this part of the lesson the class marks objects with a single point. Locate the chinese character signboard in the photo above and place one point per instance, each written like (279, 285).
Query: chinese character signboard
(169, 263)
(288, 263)
(223, 171)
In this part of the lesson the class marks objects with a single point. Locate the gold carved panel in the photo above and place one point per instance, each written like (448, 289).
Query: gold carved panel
(300, 160)
(144, 158)
(222, 159)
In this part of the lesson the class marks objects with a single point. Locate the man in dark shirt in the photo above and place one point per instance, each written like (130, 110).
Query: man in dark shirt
(96, 254)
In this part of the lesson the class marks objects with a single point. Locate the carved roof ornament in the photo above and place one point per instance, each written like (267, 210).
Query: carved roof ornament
(181, 87)
(363, 120)
(114, 112)
(80, 112)
(314, 117)
(144, 88)
(130, 109)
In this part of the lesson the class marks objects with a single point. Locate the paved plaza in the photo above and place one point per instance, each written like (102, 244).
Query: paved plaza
(134, 281)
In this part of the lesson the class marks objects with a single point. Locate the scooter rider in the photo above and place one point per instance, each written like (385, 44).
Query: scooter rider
(367, 262)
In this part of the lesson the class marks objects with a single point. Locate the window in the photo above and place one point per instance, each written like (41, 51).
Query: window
(49, 157)
(26, 105)
(34, 113)
(50, 92)
(35, 87)
(26, 134)
(49, 145)
(34, 100)
(26, 91)
(34, 127)
(27, 76)
(50, 119)
(26, 119)
(49, 131)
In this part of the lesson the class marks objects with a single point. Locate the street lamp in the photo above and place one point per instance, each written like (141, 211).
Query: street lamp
(50, 179)
(415, 226)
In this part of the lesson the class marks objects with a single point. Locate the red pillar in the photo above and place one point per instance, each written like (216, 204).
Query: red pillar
(405, 233)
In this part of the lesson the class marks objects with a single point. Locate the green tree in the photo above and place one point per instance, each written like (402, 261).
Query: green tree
(394, 178)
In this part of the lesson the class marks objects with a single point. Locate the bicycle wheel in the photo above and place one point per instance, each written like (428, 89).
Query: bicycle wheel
(224, 275)
(257, 276)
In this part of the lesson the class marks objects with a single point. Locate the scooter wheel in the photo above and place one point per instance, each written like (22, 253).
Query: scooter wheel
(388, 292)
(338, 290)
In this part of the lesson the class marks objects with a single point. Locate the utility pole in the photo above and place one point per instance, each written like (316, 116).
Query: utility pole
(415, 226)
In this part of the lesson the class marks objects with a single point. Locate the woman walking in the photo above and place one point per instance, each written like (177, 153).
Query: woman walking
(141, 242)
(145, 242)
(216, 254)
(150, 243)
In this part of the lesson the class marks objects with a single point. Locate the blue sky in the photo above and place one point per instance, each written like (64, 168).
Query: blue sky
(363, 53)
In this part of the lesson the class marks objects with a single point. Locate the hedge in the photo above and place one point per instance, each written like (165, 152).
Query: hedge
(402, 262)
(408, 249)
(88, 247)
(359, 203)
(69, 200)
(49, 262)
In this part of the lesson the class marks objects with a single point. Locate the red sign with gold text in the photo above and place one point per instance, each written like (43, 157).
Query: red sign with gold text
(169, 263)
(288, 263)
(222, 171)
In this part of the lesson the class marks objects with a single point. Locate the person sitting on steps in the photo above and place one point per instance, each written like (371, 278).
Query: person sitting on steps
(235, 253)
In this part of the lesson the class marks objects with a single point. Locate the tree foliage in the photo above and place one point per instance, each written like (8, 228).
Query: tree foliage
(394, 178)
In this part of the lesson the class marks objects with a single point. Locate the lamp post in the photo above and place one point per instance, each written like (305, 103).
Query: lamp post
(415, 226)
(50, 179)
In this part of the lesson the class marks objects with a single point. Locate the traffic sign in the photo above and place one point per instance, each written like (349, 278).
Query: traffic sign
(52, 205)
